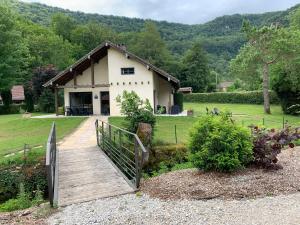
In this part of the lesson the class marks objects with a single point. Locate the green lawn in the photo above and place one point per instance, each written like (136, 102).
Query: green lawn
(15, 131)
(243, 114)
(248, 114)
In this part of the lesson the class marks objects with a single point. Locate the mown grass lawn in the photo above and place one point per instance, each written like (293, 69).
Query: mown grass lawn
(16, 131)
(248, 114)
(242, 114)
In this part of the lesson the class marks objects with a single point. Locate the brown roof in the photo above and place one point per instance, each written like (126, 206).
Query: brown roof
(96, 54)
(17, 93)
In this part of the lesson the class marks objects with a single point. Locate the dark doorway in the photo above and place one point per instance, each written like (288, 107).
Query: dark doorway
(81, 103)
(104, 98)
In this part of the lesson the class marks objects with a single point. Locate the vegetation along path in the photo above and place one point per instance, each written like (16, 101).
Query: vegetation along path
(84, 171)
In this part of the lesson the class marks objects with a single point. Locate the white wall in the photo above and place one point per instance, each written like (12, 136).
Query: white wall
(101, 77)
(108, 71)
(141, 81)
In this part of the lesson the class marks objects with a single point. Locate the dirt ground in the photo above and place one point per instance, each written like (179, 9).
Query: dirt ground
(248, 183)
(32, 216)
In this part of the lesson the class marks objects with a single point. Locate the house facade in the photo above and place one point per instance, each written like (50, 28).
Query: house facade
(92, 84)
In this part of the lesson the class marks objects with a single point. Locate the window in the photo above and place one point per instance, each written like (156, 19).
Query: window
(127, 71)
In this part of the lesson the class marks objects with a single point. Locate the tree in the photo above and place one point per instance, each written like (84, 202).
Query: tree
(89, 36)
(150, 46)
(195, 72)
(46, 47)
(63, 25)
(40, 76)
(14, 54)
(46, 101)
(266, 46)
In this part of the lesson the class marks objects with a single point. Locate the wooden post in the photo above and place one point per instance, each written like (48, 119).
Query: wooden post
(92, 73)
(56, 100)
(175, 133)
(75, 78)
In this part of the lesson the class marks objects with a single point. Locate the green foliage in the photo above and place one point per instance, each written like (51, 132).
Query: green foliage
(46, 101)
(28, 171)
(164, 157)
(12, 109)
(21, 202)
(6, 97)
(178, 100)
(90, 35)
(195, 71)
(29, 99)
(14, 53)
(62, 25)
(249, 97)
(218, 144)
(136, 110)
(150, 46)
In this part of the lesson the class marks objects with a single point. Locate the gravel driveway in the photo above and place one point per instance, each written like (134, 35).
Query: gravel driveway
(131, 209)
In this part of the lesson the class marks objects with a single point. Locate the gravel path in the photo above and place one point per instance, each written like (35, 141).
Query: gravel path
(131, 209)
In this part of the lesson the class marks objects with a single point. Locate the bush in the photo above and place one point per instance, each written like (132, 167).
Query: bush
(29, 171)
(249, 97)
(218, 144)
(12, 109)
(21, 202)
(269, 143)
(136, 110)
(178, 100)
(46, 101)
(165, 157)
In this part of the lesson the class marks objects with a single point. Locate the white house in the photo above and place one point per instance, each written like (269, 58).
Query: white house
(92, 84)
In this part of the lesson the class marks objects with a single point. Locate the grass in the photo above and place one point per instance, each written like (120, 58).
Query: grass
(243, 114)
(248, 114)
(15, 131)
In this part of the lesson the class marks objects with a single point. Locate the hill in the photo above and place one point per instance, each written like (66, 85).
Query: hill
(221, 37)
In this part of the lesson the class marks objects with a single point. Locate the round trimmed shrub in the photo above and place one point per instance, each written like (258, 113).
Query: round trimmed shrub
(216, 143)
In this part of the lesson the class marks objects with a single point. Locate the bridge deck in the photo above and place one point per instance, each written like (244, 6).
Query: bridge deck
(84, 172)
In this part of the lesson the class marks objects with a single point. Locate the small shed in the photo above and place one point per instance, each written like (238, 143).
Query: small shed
(185, 90)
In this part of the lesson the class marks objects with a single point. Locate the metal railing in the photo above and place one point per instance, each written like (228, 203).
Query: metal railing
(124, 148)
(51, 166)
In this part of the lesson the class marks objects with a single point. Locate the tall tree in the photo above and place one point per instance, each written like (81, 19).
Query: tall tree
(14, 54)
(63, 25)
(90, 36)
(150, 46)
(266, 46)
(195, 72)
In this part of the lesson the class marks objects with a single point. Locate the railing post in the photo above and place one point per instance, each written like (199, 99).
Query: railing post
(137, 164)
(102, 135)
(97, 132)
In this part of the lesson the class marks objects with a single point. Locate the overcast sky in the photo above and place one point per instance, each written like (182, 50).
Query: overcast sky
(182, 11)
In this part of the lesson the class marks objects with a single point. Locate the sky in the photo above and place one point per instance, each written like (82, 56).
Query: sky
(181, 11)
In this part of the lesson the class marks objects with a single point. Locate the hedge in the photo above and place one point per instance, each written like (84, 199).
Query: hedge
(249, 97)
(12, 109)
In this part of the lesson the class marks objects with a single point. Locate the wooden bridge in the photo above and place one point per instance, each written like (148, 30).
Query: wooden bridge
(81, 171)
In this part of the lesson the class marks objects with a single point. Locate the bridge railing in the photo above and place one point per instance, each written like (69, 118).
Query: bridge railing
(124, 148)
(51, 166)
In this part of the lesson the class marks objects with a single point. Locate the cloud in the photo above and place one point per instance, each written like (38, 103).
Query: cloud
(182, 11)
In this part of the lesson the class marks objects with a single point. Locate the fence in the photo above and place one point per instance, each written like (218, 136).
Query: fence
(51, 166)
(124, 148)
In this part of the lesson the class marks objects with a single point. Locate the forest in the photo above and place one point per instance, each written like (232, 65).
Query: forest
(37, 41)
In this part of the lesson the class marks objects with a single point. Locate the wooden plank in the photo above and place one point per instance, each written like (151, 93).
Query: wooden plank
(84, 172)
(56, 100)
